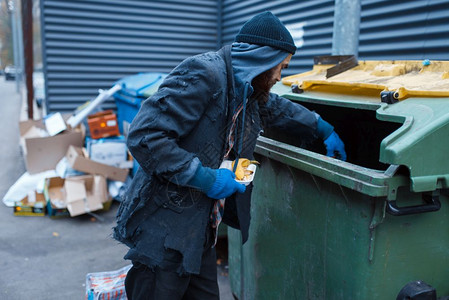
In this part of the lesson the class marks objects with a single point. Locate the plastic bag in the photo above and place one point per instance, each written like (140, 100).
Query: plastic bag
(107, 285)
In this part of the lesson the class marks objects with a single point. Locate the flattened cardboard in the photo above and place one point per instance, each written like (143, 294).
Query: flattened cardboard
(78, 161)
(74, 189)
(24, 126)
(43, 153)
(85, 194)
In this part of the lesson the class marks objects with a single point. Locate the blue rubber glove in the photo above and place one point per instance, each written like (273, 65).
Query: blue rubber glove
(323, 129)
(203, 179)
(335, 147)
(224, 185)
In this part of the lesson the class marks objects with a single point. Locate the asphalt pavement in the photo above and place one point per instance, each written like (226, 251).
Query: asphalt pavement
(44, 258)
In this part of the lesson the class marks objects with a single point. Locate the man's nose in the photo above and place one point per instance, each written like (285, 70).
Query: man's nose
(278, 77)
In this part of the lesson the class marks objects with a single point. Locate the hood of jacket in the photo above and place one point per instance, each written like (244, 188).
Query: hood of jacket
(249, 61)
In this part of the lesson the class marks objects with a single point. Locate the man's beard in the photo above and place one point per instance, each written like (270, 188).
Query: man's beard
(262, 86)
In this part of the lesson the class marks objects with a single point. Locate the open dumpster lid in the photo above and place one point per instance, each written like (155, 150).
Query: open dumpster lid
(404, 78)
(421, 142)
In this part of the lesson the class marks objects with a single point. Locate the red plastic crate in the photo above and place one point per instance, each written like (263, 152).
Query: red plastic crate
(103, 124)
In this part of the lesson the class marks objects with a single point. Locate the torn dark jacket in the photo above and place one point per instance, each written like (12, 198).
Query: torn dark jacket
(189, 118)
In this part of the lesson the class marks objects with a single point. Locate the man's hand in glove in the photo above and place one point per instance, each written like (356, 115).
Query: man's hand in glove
(216, 183)
(335, 147)
(225, 185)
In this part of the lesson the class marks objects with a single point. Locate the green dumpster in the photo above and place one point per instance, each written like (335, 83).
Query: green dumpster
(361, 229)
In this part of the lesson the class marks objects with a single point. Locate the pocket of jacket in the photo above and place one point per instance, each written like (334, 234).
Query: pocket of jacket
(176, 198)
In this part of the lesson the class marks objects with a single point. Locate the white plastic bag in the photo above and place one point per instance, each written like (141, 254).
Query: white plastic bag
(25, 184)
(107, 285)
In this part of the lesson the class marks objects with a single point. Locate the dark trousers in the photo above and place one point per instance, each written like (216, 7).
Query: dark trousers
(164, 283)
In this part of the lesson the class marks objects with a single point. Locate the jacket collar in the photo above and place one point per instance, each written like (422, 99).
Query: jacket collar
(225, 53)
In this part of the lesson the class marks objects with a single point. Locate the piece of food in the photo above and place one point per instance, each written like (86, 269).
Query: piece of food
(242, 172)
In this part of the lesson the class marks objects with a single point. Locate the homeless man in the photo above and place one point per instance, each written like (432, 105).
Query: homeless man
(211, 107)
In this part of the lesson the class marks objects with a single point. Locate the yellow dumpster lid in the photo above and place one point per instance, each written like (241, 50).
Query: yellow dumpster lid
(369, 78)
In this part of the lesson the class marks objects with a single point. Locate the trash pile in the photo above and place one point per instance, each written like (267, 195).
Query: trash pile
(79, 163)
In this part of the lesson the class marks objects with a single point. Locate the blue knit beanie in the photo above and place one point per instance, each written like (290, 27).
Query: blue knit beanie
(266, 29)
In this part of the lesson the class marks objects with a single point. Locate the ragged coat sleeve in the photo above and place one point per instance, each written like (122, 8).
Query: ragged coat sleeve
(168, 116)
(283, 114)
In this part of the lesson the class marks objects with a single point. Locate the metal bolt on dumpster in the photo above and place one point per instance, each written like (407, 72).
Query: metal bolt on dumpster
(322, 228)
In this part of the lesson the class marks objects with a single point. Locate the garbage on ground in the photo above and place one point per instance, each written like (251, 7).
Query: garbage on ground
(26, 183)
(76, 195)
(103, 124)
(79, 163)
(78, 117)
(64, 170)
(55, 197)
(31, 205)
(107, 285)
(41, 151)
(110, 151)
(85, 194)
(54, 124)
(78, 159)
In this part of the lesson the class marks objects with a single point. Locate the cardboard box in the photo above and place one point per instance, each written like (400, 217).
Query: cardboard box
(43, 153)
(109, 151)
(85, 194)
(55, 196)
(54, 124)
(32, 205)
(103, 124)
(78, 160)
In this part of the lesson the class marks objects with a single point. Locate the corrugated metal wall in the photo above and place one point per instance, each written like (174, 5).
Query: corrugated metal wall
(406, 29)
(391, 30)
(310, 23)
(89, 44)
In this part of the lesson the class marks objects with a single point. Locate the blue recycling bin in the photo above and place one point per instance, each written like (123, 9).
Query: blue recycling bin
(135, 89)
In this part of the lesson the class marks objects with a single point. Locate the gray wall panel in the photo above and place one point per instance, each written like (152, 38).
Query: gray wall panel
(408, 29)
(90, 44)
(390, 30)
(310, 22)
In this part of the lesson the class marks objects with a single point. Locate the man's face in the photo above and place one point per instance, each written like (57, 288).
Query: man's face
(275, 73)
(264, 82)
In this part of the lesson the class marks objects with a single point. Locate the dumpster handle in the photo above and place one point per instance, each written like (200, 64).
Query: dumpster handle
(432, 204)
